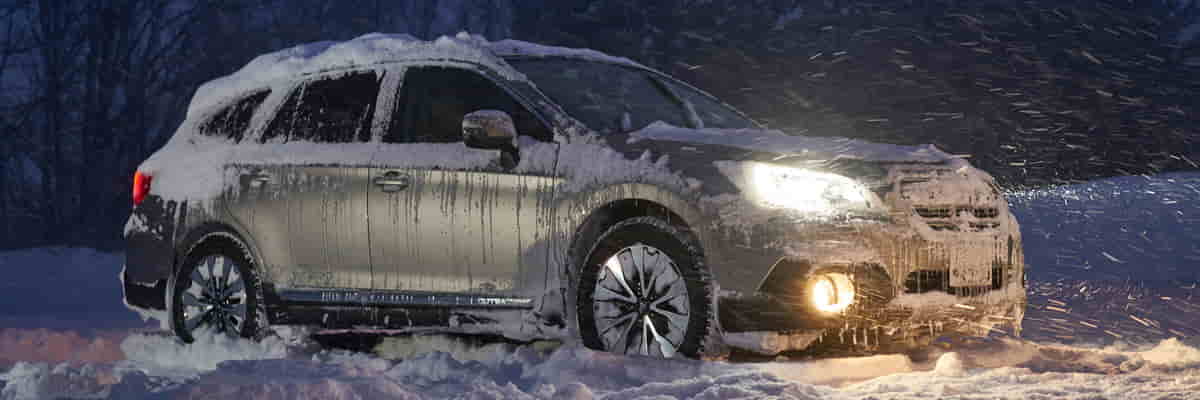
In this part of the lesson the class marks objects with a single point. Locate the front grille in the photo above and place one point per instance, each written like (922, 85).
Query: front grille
(982, 226)
(934, 212)
(945, 199)
(959, 218)
(961, 211)
(985, 212)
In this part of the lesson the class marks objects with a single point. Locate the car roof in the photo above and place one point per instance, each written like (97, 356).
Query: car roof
(375, 49)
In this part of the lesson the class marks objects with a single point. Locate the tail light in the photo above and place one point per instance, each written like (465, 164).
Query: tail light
(141, 187)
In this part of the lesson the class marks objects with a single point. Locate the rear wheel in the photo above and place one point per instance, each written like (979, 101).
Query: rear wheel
(215, 290)
(644, 290)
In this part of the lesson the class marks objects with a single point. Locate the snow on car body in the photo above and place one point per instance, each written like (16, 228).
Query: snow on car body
(534, 191)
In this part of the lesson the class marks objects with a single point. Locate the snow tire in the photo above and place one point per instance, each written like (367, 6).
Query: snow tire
(683, 248)
(252, 325)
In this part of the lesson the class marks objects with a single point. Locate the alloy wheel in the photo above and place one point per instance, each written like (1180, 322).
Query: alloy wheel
(641, 302)
(215, 297)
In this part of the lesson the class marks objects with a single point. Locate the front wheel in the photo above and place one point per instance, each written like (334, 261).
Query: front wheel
(214, 290)
(644, 290)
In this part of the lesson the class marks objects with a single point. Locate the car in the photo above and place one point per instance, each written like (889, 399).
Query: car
(530, 191)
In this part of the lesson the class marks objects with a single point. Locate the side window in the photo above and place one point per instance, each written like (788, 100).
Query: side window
(231, 122)
(432, 102)
(333, 109)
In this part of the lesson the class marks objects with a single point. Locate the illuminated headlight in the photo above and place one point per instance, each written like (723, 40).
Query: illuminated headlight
(831, 292)
(806, 190)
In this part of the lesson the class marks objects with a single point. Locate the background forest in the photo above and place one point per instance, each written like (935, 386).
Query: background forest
(1038, 92)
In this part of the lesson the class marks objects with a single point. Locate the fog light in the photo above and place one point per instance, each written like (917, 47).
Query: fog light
(831, 292)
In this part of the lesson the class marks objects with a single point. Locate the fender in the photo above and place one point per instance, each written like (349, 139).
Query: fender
(577, 210)
(210, 230)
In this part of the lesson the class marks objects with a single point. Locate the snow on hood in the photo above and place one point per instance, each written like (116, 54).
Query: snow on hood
(375, 48)
(808, 147)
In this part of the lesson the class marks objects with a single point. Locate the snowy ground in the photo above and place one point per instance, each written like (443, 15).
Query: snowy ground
(1114, 314)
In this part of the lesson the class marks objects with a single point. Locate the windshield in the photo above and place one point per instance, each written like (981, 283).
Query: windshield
(711, 111)
(614, 98)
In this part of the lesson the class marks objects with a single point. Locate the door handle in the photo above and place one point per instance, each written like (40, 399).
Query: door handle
(257, 179)
(392, 181)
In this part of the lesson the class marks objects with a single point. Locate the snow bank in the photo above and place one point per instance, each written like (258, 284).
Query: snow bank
(839, 371)
(1173, 354)
(949, 364)
(1023, 370)
(522, 373)
(533, 372)
(163, 355)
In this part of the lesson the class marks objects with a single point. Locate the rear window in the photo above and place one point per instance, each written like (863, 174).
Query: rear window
(331, 109)
(231, 122)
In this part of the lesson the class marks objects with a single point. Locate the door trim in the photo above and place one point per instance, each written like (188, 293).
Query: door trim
(401, 298)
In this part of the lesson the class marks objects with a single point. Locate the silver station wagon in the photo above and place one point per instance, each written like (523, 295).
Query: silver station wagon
(536, 192)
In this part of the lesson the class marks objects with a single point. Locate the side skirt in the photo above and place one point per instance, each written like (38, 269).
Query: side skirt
(388, 309)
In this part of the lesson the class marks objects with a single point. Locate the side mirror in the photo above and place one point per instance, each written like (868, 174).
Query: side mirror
(488, 129)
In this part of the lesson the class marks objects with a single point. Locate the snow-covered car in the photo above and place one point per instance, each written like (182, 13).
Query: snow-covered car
(533, 192)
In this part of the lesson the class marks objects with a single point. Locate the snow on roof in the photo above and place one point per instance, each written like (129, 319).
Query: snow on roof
(517, 48)
(376, 48)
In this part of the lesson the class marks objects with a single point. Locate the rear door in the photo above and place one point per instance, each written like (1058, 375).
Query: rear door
(308, 178)
(464, 222)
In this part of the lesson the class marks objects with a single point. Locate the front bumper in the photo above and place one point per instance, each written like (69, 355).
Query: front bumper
(948, 258)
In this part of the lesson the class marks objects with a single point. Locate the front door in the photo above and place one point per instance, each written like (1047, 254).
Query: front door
(448, 218)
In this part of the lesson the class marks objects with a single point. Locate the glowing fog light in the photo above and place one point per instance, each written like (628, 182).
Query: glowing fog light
(806, 190)
(832, 292)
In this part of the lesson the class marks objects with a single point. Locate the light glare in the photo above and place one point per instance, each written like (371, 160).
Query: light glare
(832, 292)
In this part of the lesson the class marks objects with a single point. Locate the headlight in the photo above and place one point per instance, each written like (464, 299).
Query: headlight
(806, 190)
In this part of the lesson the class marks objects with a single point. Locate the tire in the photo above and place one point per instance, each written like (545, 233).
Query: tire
(199, 298)
(679, 291)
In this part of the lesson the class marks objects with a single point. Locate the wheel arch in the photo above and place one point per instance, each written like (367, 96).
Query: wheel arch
(588, 215)
(594, 213)
(215, 231)
(603, 208)
(218, 235)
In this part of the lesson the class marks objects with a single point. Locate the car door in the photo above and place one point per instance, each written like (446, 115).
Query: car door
(308, 175)
(464, 222)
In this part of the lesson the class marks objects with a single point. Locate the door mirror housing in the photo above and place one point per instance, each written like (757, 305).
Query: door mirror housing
(488, 129)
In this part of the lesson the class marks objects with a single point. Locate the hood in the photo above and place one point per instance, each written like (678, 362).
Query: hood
(776, 145)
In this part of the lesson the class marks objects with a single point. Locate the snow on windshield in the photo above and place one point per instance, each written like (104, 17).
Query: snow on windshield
(607, 97)
(616, 98)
